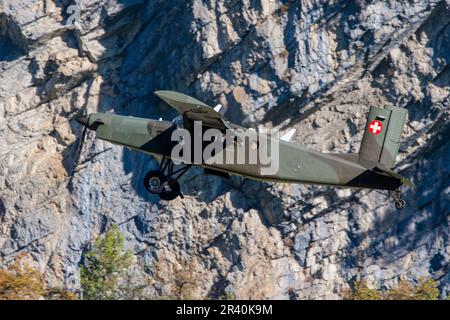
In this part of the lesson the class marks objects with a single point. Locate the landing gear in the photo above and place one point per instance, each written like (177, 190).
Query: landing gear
(399, 202)
(170, 191)
(165, 185)
(154, 182)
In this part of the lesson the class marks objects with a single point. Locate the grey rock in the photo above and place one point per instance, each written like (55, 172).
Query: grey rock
(269, 64)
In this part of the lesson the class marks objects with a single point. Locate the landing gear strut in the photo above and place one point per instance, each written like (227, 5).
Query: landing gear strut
(165, 185)
(399, 202)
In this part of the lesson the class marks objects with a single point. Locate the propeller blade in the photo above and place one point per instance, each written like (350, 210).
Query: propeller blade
(83, 120)
(80, 144)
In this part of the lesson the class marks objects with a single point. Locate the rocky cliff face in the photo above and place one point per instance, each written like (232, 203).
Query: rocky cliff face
(314, 65)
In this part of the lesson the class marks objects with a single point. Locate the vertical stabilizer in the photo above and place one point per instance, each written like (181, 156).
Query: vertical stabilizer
(382, 135)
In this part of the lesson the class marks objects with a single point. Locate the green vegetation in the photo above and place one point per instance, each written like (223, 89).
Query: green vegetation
(426, 289)
(362, 292)
(109, 271)
(108, 268)
(229, 296)
(20, 281)
(403, 291)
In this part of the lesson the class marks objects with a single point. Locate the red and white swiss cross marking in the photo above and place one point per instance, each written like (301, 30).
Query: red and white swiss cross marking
(375, 127)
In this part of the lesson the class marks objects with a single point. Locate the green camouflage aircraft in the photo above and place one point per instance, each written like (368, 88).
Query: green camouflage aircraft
(371, 168)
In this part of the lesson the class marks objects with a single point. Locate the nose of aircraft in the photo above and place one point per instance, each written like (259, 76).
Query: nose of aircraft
(83, 120)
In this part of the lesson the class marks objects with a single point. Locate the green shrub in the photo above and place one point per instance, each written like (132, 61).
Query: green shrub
(426, 289)
(402, 291)
(20, 281)
(362, 292)
(106, 265)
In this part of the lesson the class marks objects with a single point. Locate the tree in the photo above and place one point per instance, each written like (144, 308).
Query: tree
(107, 272)
(362, 292)
(427, 289)
(403, 291)
(104, 265)
(21, 282)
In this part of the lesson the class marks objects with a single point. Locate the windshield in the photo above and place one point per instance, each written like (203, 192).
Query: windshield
(178, 121)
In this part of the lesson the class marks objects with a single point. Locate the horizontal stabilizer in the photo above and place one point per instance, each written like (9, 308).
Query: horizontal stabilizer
(393, 174)
(379, 167)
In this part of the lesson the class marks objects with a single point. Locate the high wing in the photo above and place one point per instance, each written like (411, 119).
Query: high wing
(194, 109)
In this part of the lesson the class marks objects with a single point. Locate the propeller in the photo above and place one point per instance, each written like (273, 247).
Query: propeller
(84, 121)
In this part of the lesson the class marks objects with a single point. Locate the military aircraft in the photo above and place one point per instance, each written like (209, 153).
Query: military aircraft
(371, 168)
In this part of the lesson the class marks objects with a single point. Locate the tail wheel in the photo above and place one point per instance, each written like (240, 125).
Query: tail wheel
(400, 204)
(170, 191)
(154, 182)
(396, 196)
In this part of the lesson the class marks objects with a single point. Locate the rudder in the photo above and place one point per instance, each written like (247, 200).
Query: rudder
(382, 135)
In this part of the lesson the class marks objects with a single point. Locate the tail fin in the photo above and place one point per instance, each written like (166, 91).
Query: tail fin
(382, 135)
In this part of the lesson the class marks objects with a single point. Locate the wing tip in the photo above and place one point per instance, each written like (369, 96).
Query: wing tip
(162, 93)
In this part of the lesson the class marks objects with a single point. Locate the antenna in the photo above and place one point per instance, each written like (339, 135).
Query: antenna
(288, 136)
(220, 109)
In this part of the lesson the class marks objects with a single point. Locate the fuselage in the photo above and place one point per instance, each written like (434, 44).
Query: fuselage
(296, 164)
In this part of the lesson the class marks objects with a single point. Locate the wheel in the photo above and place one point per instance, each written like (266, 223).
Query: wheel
(170, 191)
(400, 204)
(154, 182)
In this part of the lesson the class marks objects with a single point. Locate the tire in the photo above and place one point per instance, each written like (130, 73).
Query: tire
(171, 191)
(400, 204)
(154, 182)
